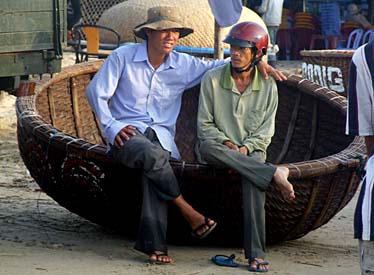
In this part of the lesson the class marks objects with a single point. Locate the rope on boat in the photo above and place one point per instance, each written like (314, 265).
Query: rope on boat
(26, 114)
(93, 147)
(301, 81)
(39, 126)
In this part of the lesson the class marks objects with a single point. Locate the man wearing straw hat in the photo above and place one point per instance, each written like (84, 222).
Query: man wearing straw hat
(360, 122)
(235, 123)
(136, 96)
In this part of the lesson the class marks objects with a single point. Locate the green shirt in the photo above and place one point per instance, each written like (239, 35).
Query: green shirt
(246, 119)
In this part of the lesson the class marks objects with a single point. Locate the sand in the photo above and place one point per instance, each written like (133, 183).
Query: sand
(37, 236)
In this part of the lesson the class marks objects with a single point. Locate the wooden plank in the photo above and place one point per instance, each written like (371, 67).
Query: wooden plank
(314, 130)
(27, 63)
(26, 41)
(26, 21)
(75, 101)
(26, 5)
(290, 130)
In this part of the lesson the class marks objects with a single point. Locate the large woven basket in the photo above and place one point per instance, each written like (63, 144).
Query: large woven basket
(329, 68)
(195, 14)
(61, 144)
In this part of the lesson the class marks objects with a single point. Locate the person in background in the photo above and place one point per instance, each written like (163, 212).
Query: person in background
(271, 13)
(360, 122)
(74, 15)
(235, 122)
(137, 96)
(354, 14)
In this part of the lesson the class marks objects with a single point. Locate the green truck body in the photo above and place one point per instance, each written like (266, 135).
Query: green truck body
(32, 34)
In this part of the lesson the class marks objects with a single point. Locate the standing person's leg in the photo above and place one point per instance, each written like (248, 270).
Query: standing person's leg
(366, 255)
(273, 34)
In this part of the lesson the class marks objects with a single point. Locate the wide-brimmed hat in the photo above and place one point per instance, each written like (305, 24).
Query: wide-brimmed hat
(162, 18)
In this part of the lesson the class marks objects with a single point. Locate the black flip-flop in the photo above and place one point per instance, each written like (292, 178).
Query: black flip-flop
(206, 233)
(223, 260)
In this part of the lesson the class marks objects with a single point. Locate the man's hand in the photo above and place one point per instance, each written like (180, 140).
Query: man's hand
(231, 145)
(265, 69)
(243, 150)
(125, 134)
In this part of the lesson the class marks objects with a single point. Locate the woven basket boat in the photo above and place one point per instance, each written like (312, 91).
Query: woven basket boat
(329, 68)
(62, 145)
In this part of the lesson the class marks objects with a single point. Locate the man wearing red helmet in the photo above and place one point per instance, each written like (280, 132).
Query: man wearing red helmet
(236, 121)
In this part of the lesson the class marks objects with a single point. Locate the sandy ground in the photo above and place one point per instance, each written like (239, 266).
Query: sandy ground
(37, 236)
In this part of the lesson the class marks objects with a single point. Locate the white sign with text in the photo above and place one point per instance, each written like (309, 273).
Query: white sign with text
(327, 76)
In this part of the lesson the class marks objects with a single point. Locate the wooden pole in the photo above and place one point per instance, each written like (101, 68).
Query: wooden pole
(218, 44)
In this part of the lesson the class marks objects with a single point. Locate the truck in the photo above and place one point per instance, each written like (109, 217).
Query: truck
(32, 35)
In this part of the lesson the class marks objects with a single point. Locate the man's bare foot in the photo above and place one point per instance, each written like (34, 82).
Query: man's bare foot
(280, 178)
(158, 257)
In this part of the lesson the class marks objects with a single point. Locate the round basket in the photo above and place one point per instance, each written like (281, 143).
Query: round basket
(61, 143)
(329, 68)
(195, 14)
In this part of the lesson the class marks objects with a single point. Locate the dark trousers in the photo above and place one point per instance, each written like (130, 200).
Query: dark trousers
(257, 176)
(159, 186)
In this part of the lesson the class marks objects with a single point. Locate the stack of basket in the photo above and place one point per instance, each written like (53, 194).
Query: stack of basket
(284, 36)
(306, 24)
(304, 20)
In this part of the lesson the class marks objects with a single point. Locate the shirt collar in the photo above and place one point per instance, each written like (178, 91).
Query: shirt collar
(227, 81)
(142, 55)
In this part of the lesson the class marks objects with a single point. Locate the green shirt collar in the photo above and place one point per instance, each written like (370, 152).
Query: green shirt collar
(227, 81)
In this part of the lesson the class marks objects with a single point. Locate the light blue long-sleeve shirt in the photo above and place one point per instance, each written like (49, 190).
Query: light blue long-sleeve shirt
(127, 90)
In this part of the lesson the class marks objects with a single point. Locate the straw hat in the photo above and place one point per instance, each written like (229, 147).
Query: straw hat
(162, 18)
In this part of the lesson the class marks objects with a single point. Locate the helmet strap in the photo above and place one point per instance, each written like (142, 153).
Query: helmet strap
(239, 71)
(251, 65)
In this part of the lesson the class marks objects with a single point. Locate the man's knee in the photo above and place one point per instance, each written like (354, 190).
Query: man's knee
(139, 151)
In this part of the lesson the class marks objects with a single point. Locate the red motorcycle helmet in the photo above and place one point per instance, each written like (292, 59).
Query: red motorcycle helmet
(248, 35)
